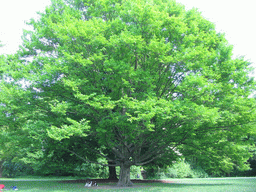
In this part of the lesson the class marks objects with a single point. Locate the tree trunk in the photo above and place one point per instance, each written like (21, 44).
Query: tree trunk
(124, 177)
(112, 172)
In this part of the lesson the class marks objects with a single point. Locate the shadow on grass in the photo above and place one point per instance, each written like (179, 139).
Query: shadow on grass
(175, 185)
(166, 183)
(138, 187)
(151, 186)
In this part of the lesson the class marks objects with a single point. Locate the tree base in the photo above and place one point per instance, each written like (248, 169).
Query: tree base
(121, 184)
(124, 177)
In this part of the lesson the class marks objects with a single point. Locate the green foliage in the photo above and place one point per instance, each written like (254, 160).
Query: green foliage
(183, 169)
(90, 170)
(136, 172)
(179, 169)
(12, 169)
(252, 160)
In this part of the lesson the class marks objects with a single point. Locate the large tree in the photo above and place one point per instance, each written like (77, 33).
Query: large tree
(145, 78)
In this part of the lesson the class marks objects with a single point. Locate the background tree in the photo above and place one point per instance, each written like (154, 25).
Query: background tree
(144, 78)
(252, 149)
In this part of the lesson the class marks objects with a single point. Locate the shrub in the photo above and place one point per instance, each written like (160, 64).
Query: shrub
(180, 170)
(199, 172)
(135, 171)
(12, 169)
(91, 170)
(183, 169)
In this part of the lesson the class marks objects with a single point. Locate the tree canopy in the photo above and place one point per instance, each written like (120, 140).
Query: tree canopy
(146, 79)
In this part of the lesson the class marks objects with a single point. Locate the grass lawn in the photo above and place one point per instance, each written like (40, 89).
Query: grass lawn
(177, 185)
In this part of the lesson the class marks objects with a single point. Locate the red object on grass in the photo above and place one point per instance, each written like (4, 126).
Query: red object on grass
(1, 186)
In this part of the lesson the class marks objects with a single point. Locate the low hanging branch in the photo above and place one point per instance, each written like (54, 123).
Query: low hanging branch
(94, 162)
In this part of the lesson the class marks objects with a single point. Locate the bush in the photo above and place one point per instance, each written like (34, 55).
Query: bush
(91, 170)
(198, 172)
(183, 169)
(135, 172)
(180, 169)
(12, 169)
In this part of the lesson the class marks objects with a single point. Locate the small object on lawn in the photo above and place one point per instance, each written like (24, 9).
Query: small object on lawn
(1, 187)
(90, 183)
(14, 188)
(94, 183)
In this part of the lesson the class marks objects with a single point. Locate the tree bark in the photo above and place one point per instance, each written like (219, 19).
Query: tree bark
(124, 177)
(112, 172)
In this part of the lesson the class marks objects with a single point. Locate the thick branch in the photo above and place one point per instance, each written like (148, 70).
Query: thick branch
(86, 160)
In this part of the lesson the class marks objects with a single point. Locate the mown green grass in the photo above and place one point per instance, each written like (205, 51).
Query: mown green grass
(177, 185)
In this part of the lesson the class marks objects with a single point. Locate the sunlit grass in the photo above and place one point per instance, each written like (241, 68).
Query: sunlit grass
(177, 185)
